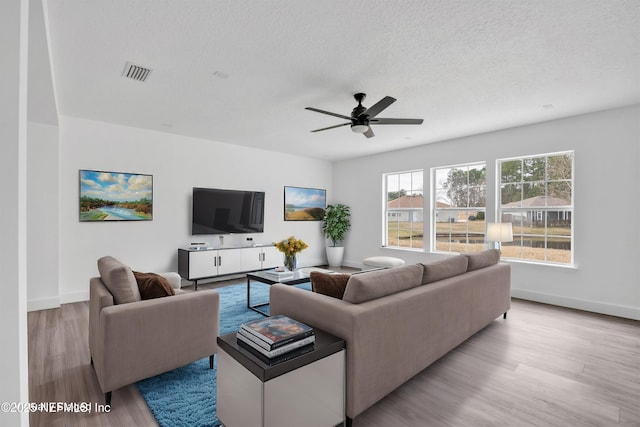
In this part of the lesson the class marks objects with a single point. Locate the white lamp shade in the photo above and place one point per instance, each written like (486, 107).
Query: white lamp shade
(500, 232)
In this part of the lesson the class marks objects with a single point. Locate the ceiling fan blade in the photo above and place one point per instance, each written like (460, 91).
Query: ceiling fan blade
(331, 127)
(377, 108)
(328, 112)
(369, 133)
(382, 121)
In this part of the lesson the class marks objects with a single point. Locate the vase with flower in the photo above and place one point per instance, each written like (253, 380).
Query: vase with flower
(290, 248)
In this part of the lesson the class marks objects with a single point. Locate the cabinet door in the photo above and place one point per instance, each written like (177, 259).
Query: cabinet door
(251, 259)
(229, 261)
(202, 264)
(272, 257)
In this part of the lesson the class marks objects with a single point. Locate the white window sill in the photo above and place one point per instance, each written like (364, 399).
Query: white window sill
(395, 248)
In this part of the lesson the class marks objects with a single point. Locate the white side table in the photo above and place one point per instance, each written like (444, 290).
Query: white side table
(306, 391)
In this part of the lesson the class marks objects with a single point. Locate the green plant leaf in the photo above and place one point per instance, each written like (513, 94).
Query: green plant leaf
(336, 222)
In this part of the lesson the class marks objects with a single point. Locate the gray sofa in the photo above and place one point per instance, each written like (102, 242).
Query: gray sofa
(131, 339)
(396, 322)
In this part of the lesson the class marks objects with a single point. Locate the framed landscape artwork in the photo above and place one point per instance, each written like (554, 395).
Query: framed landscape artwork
(115, 196)
(304, 204)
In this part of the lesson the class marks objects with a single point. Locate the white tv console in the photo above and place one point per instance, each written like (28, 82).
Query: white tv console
(197, 263)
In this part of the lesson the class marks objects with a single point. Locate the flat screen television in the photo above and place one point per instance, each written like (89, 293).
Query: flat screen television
(219, 211)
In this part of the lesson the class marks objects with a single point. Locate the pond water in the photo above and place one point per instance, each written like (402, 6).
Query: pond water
(120, 213)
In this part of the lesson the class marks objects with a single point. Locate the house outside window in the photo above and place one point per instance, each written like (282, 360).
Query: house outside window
(459, 206)
(403, 210)
(536, 196)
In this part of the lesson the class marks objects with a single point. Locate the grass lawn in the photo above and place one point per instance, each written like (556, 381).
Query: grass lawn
(92, 215)
(411, 235)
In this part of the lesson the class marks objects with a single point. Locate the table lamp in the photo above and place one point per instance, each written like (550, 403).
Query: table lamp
(499, 232)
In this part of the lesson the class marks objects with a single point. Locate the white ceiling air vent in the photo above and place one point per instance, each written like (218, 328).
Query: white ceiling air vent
(135, 72)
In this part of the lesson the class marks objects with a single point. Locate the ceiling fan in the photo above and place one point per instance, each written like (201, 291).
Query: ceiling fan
(362, 117)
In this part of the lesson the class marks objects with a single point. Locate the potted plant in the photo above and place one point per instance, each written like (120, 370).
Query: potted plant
(335, 224)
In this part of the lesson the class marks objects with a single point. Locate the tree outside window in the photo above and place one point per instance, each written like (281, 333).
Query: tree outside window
(536, 196)
(459, 206)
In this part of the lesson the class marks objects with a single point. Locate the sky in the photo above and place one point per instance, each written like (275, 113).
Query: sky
(307, 197)
(115, 186)
(410, 181)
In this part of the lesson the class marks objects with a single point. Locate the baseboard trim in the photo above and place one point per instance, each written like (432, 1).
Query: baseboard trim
(617, 310)
(74, 297)
(352, 264)
(43, 304)
(55, 302)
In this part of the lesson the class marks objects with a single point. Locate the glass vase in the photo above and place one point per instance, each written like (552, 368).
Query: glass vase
(290, 262)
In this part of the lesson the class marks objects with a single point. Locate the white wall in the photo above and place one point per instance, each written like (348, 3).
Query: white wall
(42, 216)
(177, 164)
(607, 157)
(13, 128)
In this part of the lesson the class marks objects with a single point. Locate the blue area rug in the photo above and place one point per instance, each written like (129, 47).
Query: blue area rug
(187, 396)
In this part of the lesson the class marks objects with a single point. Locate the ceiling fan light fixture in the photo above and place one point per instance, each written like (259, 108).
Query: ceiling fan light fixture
(359, 128)
(361, 117)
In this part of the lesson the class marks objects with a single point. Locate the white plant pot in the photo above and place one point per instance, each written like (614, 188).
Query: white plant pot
(335, 255)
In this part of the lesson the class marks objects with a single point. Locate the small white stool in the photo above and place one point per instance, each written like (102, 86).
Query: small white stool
(383, 262)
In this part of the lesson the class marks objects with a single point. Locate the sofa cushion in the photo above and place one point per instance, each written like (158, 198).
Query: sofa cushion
(370, 285)
(332, 285)
(482, 259)
(444, 268)
(119, 280)
(152, 285)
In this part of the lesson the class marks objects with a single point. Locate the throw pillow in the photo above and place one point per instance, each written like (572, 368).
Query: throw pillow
(482, 259)
(152, 285)
(444, 268)
(332, 285)
(119, 280)
(370, 285)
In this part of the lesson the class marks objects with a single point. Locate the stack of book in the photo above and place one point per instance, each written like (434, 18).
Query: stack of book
(276, 339)
(279, 274)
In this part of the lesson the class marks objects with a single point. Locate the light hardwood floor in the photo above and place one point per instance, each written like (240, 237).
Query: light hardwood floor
(542, 366)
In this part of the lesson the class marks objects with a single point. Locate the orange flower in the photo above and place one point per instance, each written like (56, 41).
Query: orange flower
(291, 246)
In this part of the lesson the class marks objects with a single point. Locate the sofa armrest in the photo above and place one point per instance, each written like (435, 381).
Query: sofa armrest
(99, 298)
(146, 338)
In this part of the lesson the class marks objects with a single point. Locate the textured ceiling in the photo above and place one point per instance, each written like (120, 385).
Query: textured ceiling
(241, 72)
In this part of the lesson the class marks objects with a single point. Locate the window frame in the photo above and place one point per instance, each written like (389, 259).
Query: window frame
(541, 212)
(397, 212)
(468, 209)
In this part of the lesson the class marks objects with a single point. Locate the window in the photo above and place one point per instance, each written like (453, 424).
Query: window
(459, 200)
(403, 210)
(536, 196)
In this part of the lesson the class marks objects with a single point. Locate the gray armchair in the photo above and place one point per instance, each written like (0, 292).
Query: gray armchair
(132, 339)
